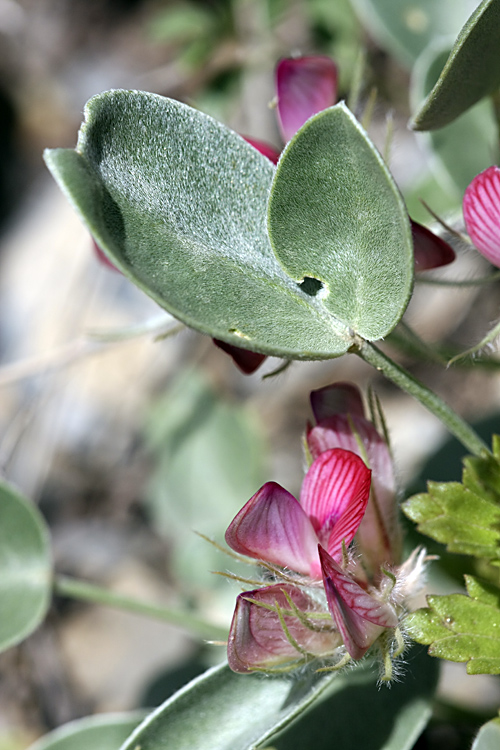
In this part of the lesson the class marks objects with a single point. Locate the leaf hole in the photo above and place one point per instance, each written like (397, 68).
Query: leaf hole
(312, 286)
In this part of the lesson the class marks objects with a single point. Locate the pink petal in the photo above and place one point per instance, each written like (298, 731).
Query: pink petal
(257, 639)
(273, 527)
(264, 148)
(481, 207)
(379, 535)
(247, 361)
(103, 258)
(338, 398)
(430, 251)
(305, 86)
(360, 617)
(334, 495)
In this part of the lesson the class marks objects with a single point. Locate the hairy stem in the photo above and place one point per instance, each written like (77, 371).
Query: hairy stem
(452, 421)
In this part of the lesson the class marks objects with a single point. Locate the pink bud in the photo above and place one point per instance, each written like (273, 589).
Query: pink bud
(430, 251)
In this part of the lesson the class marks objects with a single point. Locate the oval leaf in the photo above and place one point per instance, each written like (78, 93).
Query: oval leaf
(178, 203)
(488, 737)
(227, 711)
(471, 72)
(103, 732)
(338, 224)
(25, 562)
(463, 148)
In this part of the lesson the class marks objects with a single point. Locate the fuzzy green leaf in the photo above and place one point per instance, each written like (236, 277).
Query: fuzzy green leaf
(466, 146)
(25, 562)
(336, 217)
(178, 202)
(462, 628)
(102, 732)
(225, 711)
(471, 72)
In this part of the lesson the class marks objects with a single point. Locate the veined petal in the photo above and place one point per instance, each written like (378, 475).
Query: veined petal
(305, 86)
(481, 207)
(273, 527)
(429, 250)
(244, 359)
(334, 495)
(257, 639)
(338, 398)
(264, 148)
(379, 534)
(359, 616)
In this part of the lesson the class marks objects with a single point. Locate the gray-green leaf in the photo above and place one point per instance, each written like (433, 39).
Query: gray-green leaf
(225, 711)
(471, 72)
(25, 562)
(102, 732)
(488, 737)
(336, 217)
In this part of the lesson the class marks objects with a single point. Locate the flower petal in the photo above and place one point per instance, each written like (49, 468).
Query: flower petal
(334, 495)
(338, 398)
(481, 207)
(264, 148)
(244, 359)
(429, 250)
(359, 616)
(305, 86)
(257, 639)
(379, 534)
(273, 527)
(102, 257)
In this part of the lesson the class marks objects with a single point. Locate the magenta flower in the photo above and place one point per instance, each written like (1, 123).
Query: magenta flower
(341, 423)
(481, 208)
(273, 526)
(325, 601)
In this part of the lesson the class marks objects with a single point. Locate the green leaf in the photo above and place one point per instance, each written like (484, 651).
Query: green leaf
(462, 628)
(471, 72)
(488, 737)
(337, 220)
(226, 711)
(178, 202)
(406, 28)
(25, 562)
(103, 732)
(465, 147)
(464, 516)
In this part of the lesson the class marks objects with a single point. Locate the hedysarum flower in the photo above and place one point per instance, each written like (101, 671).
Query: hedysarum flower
(326, 601)
(481, 208)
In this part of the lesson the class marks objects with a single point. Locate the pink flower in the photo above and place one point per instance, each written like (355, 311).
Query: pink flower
(341, 423)
(323, 602)
(273, 526)
(481, 207)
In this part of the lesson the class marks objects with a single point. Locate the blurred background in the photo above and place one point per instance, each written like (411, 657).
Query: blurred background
(130, 443)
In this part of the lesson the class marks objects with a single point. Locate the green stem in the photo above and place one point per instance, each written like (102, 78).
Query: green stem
(455, 424)
(72, 587)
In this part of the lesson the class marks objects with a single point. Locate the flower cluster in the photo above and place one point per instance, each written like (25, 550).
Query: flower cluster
(325, 596)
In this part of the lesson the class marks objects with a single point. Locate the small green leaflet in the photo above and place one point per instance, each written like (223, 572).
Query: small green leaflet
(462, 628)
(464, 516)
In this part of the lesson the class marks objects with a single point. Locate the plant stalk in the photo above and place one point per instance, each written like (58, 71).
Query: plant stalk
(76, 589)
(394, 372)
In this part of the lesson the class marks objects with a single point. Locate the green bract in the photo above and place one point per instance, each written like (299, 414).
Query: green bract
(471, 72)
(25, 562)
(179, 203)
